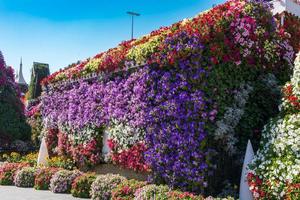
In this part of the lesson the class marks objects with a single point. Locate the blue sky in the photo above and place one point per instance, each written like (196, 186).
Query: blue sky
(60, 32)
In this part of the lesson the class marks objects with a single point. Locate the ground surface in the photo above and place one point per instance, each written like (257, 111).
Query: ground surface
(114, 169)
(16, 193)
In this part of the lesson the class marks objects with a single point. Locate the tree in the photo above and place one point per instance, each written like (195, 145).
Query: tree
(12, 120)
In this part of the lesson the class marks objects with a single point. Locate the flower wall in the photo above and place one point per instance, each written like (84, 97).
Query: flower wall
(180, 102)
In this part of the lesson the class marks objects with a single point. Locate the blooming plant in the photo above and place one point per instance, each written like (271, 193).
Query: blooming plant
(225, 126)
(8, 172)
(152, 192)
(126, 189)
(25, 177)
(13, 157)
(81, 186)
(103, 185)
(61, 162)
(132, 158)
(43, 177)
(61, 181)
(276, 167)
(177, 195)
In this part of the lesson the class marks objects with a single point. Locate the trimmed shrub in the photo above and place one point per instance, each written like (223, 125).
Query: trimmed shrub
(43, 177)
(61, 181)
(25, 177)
(127, 189)
(104, 184)
(81, 186)
(152, 192)
(7, 172)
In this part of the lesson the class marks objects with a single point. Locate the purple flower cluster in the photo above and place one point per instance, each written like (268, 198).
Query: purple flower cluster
(176, 131)
(176, 136)
(95, 104)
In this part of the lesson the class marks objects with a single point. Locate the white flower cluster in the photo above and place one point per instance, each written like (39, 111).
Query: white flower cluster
(124, 135)
(225, 127)
(279, 158)
(82, 136)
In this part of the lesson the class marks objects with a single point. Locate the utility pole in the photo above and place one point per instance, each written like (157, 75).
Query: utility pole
(132, 14)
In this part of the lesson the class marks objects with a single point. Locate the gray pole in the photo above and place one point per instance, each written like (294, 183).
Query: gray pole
(133, 14)
(132, 22)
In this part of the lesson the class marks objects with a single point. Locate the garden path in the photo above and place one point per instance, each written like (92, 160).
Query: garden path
(16, 193)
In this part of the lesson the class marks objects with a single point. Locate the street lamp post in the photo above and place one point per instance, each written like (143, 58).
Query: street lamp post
(133, 14)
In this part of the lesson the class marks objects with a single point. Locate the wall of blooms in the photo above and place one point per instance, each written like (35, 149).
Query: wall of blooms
(179, 103)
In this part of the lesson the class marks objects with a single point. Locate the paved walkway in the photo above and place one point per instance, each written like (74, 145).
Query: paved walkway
(16, 193)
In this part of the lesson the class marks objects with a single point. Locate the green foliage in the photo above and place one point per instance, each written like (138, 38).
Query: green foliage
(13, 123)
(61, 162)
(39, 72)
(13, 157)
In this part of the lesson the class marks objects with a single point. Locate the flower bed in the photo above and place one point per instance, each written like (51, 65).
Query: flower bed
(25, 177)
(104, 184)
(81, 186)
(104, 187)
(61, 181)
(197, 93)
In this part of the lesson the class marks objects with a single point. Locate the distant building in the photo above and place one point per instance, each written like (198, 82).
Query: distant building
(289, 6)
(39, 71)
(20, 79)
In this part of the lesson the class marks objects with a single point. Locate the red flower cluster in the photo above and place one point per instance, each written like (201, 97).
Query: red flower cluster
(176, 195)
(290, 97)
(126, 189)
(131, 158)
(255, 184)
(84, 154)
(43, 176)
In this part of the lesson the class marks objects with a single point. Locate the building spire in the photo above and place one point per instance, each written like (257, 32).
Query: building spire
(20, 78)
